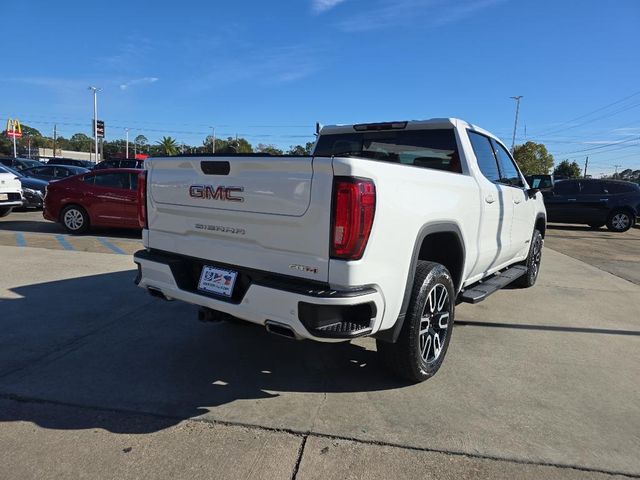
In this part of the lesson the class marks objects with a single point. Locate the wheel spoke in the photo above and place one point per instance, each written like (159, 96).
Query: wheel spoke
(443, 321)
(442, 299)
(437, 346)
(426, 347)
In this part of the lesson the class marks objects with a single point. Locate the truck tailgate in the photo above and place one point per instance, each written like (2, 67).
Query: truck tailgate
(264, 213)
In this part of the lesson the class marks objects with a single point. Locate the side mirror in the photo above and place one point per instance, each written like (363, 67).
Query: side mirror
(531, 192)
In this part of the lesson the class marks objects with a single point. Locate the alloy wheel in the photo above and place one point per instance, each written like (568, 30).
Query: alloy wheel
(434, 323)
(537, 258)
(73, 219)
(620, 221)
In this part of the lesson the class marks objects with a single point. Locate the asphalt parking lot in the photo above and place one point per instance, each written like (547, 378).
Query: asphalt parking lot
(98, 379)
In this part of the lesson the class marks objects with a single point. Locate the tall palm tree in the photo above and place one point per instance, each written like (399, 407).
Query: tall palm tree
(168, 145)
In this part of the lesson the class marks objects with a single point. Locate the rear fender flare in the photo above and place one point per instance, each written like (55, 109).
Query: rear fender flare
(391, 334)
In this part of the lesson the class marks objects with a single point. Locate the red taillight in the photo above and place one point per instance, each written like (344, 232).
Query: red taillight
(354, 205)
(142, 199)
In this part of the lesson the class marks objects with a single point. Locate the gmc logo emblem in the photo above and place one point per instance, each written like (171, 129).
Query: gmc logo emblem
(219, 193)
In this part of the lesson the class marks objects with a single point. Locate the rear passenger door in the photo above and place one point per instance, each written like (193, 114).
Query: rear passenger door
(497, 210)
(114, 199)
(592, 202)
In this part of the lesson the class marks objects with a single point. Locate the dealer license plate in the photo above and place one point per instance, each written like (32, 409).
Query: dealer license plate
(217, 280)
(4, 196)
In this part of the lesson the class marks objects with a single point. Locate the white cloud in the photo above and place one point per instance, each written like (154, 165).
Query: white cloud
(430, 13)
(320, 6)
(275, 66)
(138, 81)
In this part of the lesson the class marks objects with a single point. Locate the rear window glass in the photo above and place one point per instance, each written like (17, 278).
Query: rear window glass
(434, 148)
(620, 187)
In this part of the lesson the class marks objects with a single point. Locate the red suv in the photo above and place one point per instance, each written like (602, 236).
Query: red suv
(104, 198)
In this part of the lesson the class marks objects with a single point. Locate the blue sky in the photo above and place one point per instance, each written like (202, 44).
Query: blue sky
(270, 70)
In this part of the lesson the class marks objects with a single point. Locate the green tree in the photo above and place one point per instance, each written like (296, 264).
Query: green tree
(141, 140)
(270, 149)
(80, 142)
(168, 146)
(232, 145)
(301, 150)
(533, 158)
(567, 169)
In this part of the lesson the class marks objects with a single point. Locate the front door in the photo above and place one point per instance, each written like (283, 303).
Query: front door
(524, 209)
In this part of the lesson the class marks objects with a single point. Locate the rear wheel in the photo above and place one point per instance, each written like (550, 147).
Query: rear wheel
(426, 331)
(532, 262)
(5, 211)
(620, 221)
(75, 219)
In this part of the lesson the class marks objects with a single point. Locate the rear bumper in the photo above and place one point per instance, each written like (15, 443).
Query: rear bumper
(309, 310)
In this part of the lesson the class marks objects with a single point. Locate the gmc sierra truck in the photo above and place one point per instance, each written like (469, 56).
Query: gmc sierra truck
(380, 232)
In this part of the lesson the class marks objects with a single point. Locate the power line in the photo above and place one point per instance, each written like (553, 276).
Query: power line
(592, 112)
(601, 146)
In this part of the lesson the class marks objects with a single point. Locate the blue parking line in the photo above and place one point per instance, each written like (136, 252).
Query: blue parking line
(20, 241)
(111, 246)
(63, 241)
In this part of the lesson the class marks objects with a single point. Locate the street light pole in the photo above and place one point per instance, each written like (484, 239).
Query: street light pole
(95, 117)
(515, 123)
(126, 155)
(13, 133)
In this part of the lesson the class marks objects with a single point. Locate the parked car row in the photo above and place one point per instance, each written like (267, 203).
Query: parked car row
(33, 189)
(102, 198)
(592, 202)
(29, 180)
(26, 163)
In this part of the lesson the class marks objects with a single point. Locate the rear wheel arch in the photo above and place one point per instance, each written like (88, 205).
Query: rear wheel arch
(436, 242)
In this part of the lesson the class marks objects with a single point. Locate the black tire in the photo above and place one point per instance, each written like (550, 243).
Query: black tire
(620, 221)
(596, 226)
(74, 219)
(5, 211)
(407, 357)
(532, 262)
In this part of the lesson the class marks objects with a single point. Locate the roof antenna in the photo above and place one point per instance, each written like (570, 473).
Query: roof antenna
(318, 128)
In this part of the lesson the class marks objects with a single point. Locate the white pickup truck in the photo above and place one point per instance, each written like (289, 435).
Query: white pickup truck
(379, 233)
(10, 192)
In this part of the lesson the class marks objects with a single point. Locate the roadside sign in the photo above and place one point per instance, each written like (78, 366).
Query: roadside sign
(14, 129)
(100, 128)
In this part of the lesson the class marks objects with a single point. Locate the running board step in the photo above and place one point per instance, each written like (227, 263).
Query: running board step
(480, 291)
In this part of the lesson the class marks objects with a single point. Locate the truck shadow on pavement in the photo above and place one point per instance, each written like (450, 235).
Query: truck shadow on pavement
(32, 226)
(99, 342)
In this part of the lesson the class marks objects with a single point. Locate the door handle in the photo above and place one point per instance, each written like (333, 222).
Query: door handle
(489, 199)
(604, 199)
(517, 200)
(571, 199)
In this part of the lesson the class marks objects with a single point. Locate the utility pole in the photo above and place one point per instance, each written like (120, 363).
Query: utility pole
(586, 164)
(515, 123)
(95, 91)
(617, 166)
(126, 155)
(55, 138)
(29, 145)
(213, 139)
